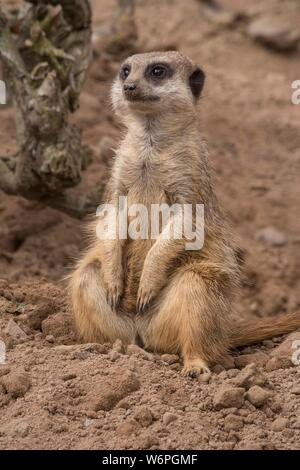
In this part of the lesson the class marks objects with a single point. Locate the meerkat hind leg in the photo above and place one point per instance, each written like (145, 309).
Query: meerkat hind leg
(188, 320)
(95, 320)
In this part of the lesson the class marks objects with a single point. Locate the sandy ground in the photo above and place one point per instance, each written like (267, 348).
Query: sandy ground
(55, 393)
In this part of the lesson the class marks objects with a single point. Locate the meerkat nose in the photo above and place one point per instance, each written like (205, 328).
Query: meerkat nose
(130, 87)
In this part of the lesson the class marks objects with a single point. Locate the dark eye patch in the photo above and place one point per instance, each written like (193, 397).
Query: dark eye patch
(158, 71)
(125, 71)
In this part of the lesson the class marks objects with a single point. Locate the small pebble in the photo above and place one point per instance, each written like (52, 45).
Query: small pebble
(169, 418)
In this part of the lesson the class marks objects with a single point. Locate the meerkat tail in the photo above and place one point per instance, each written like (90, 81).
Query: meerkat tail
(251, 332)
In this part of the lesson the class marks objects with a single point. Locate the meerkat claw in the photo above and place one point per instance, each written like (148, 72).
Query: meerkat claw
(113, 297)
(143, 301)
(141, 305)
(195, 368)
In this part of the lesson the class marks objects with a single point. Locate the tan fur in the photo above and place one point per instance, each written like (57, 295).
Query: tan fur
(253, 332)
(187, 294)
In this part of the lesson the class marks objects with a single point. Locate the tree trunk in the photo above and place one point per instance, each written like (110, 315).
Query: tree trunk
(46, 55)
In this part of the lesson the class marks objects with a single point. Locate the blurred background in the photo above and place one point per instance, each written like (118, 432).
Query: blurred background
(250, 52)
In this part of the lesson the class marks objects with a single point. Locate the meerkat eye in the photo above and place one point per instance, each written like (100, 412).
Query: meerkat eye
(125, 71)
(158, 71)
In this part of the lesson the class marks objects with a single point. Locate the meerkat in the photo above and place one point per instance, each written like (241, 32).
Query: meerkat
(155, 293)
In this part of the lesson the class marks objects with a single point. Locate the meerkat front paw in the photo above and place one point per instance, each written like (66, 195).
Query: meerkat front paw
(114, 293)
(145, 295)
(150, 286)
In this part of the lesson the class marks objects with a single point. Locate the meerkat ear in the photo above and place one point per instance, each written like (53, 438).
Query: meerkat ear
(196, 82)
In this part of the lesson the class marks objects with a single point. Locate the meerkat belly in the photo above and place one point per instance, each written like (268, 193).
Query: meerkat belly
(139, 236)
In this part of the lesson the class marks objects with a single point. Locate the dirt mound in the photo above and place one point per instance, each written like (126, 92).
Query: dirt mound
(56, 393)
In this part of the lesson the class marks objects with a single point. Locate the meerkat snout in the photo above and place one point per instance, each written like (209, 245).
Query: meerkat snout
(129, 87)
(131, 91)
(157, 82)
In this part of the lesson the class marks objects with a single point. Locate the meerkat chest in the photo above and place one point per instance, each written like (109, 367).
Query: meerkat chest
(145, 180)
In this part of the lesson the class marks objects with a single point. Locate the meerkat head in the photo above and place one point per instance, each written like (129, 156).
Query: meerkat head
(155, 83)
